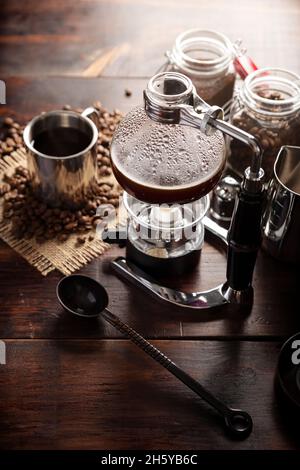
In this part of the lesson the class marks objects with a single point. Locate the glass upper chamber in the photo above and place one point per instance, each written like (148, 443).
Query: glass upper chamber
(157, 162)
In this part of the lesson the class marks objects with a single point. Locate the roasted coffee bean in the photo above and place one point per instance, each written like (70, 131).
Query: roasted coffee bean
(11, 195)
(63, 237)
(18, 205)
(8, 121)
(114, 202)
(71, 225)
(84, 219)
(265, 143)
(91, 205)
(7, 214)
(105, 170)
(63, 215)
(105, 188)
(17, 139)
(98, 105)
(10, 142)
(271, 95)
(22, 188)
(105, 161)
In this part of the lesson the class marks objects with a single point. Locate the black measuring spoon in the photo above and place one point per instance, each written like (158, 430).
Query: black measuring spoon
(84, 296)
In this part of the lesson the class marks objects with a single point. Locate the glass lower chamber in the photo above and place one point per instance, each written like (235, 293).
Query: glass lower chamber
(165, 238)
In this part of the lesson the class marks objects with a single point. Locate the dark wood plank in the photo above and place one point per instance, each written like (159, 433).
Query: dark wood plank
(129, 38)
(29, 308)
(27, 96)
(108, 395)
(28, 303)
(78, 390)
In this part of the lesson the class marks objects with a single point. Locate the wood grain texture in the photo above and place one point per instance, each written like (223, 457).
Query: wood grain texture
(29, 307)
(63, 38)
(74, 384)
(109, 395)
(28, 96)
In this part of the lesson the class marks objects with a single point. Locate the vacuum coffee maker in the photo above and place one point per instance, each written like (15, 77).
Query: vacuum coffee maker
(168, 156)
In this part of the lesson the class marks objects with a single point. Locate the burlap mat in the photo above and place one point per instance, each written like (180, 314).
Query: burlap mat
(66, 256)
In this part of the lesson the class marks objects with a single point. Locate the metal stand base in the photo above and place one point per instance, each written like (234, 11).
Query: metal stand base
(218, 296)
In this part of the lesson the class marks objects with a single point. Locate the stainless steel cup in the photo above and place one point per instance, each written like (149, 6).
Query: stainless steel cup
(281, 220)
(62, 181)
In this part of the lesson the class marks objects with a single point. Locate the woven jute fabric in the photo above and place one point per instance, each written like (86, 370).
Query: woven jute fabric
(66, 256)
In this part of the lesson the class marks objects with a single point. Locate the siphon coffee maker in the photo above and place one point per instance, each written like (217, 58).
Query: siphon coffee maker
(168, 156)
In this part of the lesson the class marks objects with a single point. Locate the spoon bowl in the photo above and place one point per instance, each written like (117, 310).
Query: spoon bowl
(82, 295)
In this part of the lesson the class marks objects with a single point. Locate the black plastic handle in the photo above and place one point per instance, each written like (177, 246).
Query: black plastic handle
(244, 239)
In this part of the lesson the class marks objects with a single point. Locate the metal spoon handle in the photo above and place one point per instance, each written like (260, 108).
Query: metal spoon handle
(137, 339)
(238, 422)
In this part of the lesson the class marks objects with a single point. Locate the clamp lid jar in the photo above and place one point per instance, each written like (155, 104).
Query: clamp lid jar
(206, 57)
(267, 106)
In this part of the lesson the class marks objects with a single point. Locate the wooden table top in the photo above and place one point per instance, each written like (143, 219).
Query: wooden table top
(70, 384)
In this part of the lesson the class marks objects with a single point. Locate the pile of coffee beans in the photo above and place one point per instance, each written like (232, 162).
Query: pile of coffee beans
(11, 136)
(30, 217)
(271, 133)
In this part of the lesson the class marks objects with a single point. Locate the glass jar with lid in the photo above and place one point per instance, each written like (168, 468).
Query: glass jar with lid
(206, 57)
(267, 106)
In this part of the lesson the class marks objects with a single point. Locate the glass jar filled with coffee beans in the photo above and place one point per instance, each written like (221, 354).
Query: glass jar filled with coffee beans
(267, 106)
(206, 57)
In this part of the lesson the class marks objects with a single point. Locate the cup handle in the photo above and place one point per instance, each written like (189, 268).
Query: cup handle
(92, 114)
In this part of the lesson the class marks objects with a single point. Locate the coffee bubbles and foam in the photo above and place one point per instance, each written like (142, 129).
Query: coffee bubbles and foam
(164, 157)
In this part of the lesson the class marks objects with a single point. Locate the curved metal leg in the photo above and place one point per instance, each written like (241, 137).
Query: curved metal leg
(215, 297)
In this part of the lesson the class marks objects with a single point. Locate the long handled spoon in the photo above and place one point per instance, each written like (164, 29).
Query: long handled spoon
(84, 296)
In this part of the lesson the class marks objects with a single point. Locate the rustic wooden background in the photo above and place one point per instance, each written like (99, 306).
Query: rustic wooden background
(70, 384)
